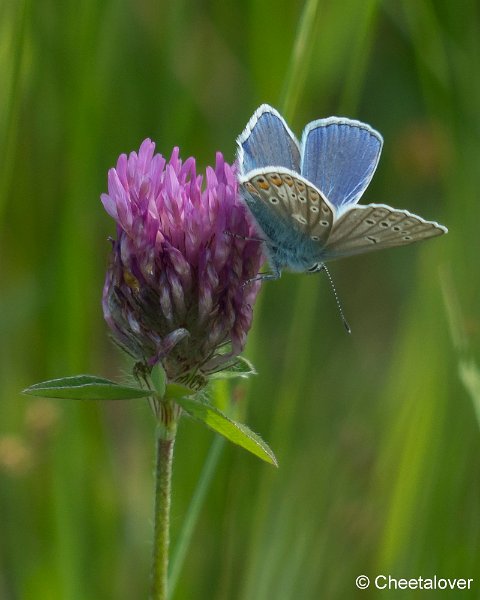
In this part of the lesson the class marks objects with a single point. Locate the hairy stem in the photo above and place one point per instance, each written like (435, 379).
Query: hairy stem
(161, 540)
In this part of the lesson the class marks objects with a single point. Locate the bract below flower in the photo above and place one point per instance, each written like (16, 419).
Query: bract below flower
(174, 290)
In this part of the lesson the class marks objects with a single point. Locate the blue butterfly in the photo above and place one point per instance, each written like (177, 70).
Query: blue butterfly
(304, 196)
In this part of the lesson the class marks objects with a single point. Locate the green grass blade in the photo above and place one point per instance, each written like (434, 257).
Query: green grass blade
(85, 387)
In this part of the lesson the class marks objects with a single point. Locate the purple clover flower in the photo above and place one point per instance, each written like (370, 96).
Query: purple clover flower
(174, 290)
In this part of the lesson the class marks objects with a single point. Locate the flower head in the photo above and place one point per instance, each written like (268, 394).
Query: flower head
(174, 290)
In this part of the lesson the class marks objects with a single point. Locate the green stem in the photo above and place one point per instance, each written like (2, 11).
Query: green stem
(161, 540)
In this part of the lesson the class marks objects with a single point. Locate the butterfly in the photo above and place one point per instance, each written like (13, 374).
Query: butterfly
(303, 196)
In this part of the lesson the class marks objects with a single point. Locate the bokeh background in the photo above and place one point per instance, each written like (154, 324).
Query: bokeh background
(377, 433)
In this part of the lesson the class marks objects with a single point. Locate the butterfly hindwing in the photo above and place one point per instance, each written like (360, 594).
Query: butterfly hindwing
(375, 226)
(339, 156)
(267, 140)
(294, 200)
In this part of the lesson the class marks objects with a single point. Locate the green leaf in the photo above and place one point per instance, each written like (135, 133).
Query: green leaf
(159, 379)
(85, 387)
(173, 391)
(240, 368)
(234, 432)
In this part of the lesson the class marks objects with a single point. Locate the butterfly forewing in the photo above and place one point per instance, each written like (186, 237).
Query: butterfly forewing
(267, 140)
(375, 226)
(295, 200)
(339, 156)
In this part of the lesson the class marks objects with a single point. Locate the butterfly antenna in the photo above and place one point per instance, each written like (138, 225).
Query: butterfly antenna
(337, 300)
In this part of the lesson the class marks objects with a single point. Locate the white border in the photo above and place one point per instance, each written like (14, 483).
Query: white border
(407, 213)
(340, 121)
(246, 133)
(242, 179)
(337, 212)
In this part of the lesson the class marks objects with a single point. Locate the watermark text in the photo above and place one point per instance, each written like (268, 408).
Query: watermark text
(387, 582)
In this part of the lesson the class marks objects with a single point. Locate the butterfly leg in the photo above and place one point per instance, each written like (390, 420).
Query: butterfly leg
(271, 276)
(243, 237)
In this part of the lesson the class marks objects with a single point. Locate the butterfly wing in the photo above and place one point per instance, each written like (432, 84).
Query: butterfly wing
(293, 200)
(339, 156)
(267, 141)
(375, 226)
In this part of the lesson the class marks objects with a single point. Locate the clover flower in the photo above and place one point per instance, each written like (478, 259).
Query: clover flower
(175, 288)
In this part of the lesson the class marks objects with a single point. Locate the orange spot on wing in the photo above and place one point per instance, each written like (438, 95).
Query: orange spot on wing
(263, 183)
(276, 179)
(301, 186)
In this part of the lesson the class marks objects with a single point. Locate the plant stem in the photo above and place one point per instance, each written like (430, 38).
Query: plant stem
(161, 540)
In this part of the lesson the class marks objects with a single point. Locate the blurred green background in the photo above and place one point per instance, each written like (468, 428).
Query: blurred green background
(376, 432)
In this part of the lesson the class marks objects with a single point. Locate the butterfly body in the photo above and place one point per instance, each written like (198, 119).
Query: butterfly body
(304, 197)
